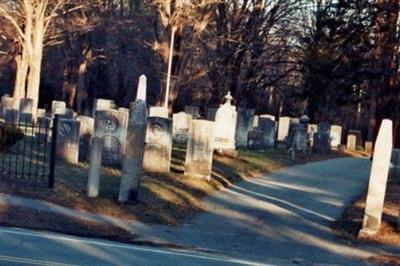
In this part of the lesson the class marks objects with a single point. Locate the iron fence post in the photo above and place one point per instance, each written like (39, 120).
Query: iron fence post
(53, 151)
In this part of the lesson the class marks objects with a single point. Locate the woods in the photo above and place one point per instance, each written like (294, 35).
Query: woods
(336, 61)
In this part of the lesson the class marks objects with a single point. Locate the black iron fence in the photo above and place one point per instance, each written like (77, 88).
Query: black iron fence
(29, 154)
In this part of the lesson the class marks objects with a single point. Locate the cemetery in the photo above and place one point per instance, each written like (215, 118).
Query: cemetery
(199, 132)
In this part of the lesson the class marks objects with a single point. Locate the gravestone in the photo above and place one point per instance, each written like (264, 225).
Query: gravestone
(267, 127)
(6, 104)
(41, 112)
(158, 148)
(68, 114)
(199, 152)
(85, 136)
(256, 121)
(358, 139)
(378, 179)
(180, 127)
(211, 112)
(283, 128)
(394, 170)
(193, 110)
(272, 117)
(225, 125)
(95, 167)
(299, 141)
(369, 147)
(12, 116)
(351, 142)
(43, 128)
(336, 136)
(103, 104)
(111, 126)
(158, 111)
(244, 125)
(68, 140)
(123, 109)
(322, 139)
(25, 106)
(311, 130)
(255, 139)
(134, 149)
(58, 108)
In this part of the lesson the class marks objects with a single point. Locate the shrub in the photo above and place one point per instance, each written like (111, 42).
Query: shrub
(9, 136)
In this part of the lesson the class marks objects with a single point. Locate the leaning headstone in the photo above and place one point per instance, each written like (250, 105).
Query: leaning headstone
(12, 116)
(225, 125)
(95, 167)
(158, 149)
(158, 111)
(193, 110)
(336, 136)
(199, 152)
(322, 139)
(68, 140)
(244, 125)
(283, 128)
(85, 136)
(58, 108)
(134, 149)
(267, 127)
(111, 126)
(378, 179)
(180, 127)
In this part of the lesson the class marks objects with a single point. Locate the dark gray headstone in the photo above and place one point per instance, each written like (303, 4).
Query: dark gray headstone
(68, 140)
(244, 124)
(268, 132)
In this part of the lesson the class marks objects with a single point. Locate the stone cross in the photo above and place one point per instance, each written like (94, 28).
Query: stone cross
(199, 152)
(378, 179)
(244, 125)
(158, 149)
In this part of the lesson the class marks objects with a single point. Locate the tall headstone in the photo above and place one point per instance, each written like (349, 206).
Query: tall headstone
(193, 110)
(58, 108)
(267, 128)
(322, 139)
(244, 125)
(158, 111)
(336, 136)
(180, 127)
(225, 125)
(111, 126)
(68, 140)
(95, 167)
(134, 149)
(199, 152)
(283, 128)
(378, 179)
(158, 149)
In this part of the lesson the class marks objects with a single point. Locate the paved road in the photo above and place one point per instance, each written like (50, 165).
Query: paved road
(286, 215)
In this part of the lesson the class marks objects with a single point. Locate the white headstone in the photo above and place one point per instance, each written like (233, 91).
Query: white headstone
(158, 111)
(225, 125)
(336, 136)
(378, 179)
(180, 127)
(283, 127)
(68, 140)
(142, 88)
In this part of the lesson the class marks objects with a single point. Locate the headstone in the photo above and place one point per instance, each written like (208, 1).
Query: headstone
(283, 128)
(111, 126)
(299, 142)
(135, 142)
(336, 136)
(25, 118)
(25, 106)
(394, 171)
(199, 152)
(104, 104)
(322, 139)
(225, 125)
(68, 140)
(123, 109)
(193, 110)
(12, 116)
(180, 127)
(41, 112)
(85, 136)
(158, 111)
(378, 179)
(158, 149)
(272, 117)
(95, 167)
(311, 130)
(358, 139)
(256, 121)
(58, 108)
(267, 127)
(369, 147)
(43, 127)
(244, 125)
(7, 103)
(69, 114)
(351, 142)
(254, 139)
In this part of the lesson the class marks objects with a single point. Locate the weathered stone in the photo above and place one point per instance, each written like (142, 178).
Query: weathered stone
(272, 117)
(95, 167)
(357, 140)
(142, 88)
(25, 118)
(336, 136)
(158, 149)
(43, 127)
(134, 151)
(322, 139)
(199, 153)
(12, 116)
(394, 170)
(351, 142)
(158, 111)
(244, 125)
(225, 125)
(181, 125)
(378, 179)
(41, 113)
(111, 126)
(369, 147)
(58, 108)
(104, 104)
(311, 130)
(86, 133)
(25, 106)
(256, 121)
(123, 109)
(297, 139)
(68, 140)
(7, 103)
(193, 110)
(267, 127)
(254, 139)
(283, 128)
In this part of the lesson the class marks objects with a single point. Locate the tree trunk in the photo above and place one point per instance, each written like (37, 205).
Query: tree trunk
(22, 62)
(81, 93)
